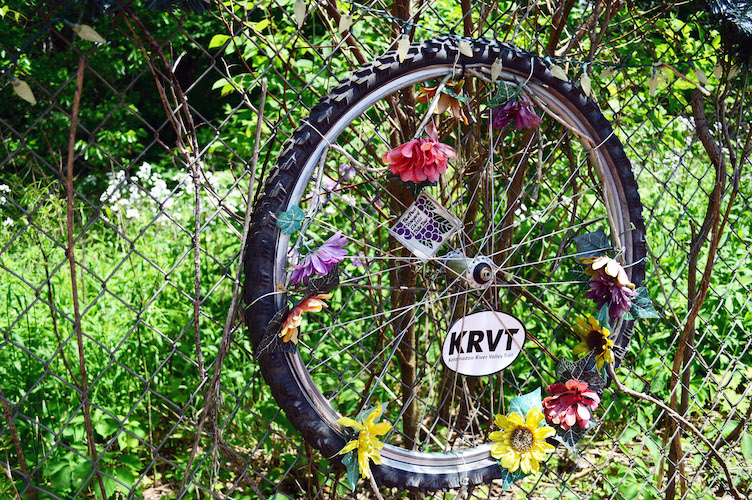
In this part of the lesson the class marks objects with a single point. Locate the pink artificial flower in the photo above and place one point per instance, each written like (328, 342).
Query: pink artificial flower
(520, 110)
(420, 159)
(321, 260)
(570, 403)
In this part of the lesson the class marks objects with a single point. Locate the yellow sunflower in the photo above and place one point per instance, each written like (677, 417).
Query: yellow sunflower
(594, 337)
(368, 444)
(521, 444)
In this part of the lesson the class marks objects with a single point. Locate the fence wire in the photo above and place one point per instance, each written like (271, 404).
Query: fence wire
(127, 171)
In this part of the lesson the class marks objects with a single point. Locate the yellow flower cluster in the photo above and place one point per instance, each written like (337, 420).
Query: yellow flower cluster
(368, 444)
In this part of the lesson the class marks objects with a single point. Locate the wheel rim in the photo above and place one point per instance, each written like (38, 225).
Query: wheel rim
(471, 455)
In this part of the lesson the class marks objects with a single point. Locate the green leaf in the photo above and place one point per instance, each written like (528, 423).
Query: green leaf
(131, 461)
(522, 404)
(261, 25)
(592, 244)
(570, 437)
(577, 275)
(350, 461)
(509, 478)
(291, 220)
(363, 414)
(218, 41)
(505, 94)
(602, 316)
(452, 93)
(642, 306)
(747, 446)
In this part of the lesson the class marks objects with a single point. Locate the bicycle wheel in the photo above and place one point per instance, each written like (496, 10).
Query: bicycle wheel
(518, 200)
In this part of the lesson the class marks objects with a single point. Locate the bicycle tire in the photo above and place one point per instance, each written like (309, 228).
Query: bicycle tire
(307, 409)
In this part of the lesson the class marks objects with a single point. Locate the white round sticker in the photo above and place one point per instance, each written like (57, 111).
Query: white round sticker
(483, 343)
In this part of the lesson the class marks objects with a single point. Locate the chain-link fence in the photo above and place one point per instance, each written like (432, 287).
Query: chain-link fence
(131, 154)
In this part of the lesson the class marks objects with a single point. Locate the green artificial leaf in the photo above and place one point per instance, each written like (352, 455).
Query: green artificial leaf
(642, 306)
(452, 93)
(505, 94)
(291, 220)
(522, 404)
(509, 478)
(350, 461)
(577, 275)
(323, 284)
(363, 414)
(584, 369)
(602, 317)
(570, 437)
(747, 446)
(592, 244)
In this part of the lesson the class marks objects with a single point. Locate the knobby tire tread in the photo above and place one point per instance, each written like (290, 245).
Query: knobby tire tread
(261, 246)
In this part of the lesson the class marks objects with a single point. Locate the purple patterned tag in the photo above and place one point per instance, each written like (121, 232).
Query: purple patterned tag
(425, 227)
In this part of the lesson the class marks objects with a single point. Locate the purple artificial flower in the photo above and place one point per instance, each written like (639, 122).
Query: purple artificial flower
(604, 289)
(321, 260)
(520, 110)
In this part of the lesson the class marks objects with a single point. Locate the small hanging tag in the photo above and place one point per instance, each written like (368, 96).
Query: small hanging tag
(299, 8)
(465, 48)
(425, 226)
(585, 84)
(654, 79)
(653, 84)
(402, 47)
(496, 68)
(558, 72)
(718, 71)
(22, 90)
(88, 33)
(345, 21)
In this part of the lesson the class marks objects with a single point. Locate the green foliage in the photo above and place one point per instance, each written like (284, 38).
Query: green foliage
(135, 256)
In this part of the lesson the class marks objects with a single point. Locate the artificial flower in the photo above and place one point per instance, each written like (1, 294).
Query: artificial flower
(420, 159)
(610, 285)
(447, 100)
(594, 337)
(367, 444)
(520, 110)
(321, 260)
(570, 403)
(521, 444)
(292, 322)
(609, 267)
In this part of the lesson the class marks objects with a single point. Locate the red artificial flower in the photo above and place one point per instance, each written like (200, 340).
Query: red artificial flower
(570, 403)
(420, 159)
